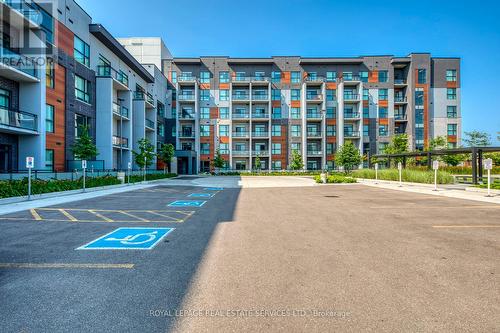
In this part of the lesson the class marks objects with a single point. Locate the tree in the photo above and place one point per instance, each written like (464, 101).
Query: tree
(348, 156)
(441, 143)
(166, 153)
(218, 161)
(84, 147)
(144, 157)
(257, 163)
(398, 145)
(477, 139)
(438, 143)
(297, 162)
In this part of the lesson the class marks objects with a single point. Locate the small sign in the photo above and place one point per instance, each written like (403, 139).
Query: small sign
(187, 203)
(129, 165)
(435, 165)
(84, 164)
(488, 164)
(400, 166)
(128, 239)
(30, 162)
(376, 166)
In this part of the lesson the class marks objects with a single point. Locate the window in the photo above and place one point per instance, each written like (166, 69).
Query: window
(224, 95)
(224, 113)
(366, 112)
(422, 76)
(295, 147)
(276, 113)
(451, 111)
(160, 109)
(331, 113)
(363, 76)
(223, 77)
(173, 75)
(81, 51)
(383, 130)
(49, 74)
(260, 75)
(204, 77)
(276, 95)
(452, 129)
(366, 95)
(276, 165)
(331, 130)
(47, 24)
(347, 76)
(276, 130)
(295, 77)
(204, 94)
(224, 130)
(451, 75)
(205, 148)
(383, 76)
(49, 118)
(49, 159)
(295, 113)
(330, 148)
(204, 113)
(419, 97)
(451, 93)
(80, 123)
(296, 130)
(276, 148)
(331, 76)
(82, 89)
(366, 130)
(276, 77)
(224, 148)
(173, 113)
(382, 146)
(382, 112)
(330, 94)
(205, 130)
(295, 94)
(161, 129)
(382, 94)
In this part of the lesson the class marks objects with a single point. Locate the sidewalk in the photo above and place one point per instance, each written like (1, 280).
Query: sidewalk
(449, 191)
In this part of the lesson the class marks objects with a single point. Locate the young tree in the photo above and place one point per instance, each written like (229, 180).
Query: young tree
(477, 139)
(84, 147)
(144, 157)
(166, 153)
(297, 162)
(257, 163)
(398, 145)
(438, 143)
(348, 156)
(218, 161)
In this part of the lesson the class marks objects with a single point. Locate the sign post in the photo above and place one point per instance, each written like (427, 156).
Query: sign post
(400, 168)
(145, 162)
(488, 165)
(376, 173)
(435, 166)
(30, 163)
(129, 167)
(84, 169)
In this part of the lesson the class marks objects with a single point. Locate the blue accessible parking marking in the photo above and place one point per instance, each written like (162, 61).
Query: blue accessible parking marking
(200, 195)
(128, 239)
(214, 188)
(187, 203)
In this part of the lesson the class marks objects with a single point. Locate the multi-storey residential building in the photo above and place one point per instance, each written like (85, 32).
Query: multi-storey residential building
(266, 108)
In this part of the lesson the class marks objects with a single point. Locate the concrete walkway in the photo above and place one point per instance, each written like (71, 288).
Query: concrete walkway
(450, 191)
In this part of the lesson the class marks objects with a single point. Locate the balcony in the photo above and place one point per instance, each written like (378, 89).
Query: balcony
(314, 153)
(144, 96)
(351, 78)
(260, 153)
(241, 79)
(260, 97)
(120, 142)
(16, 66)
(400, 117)
(240, 152)
(29, 11)
(351, 135)
(352, 115)
(400, 99)
(186, 134)
(241, 115)
(400, 82)
(120, 111)
(242, 135)
(17, 121)
(260, 115)
(183, 97)
(186, 115)
(150, 124)
(351, 97)
(314, 97)
(314, 79)
(260, 134)
(241, 97)
(314, 134)
(108, 71)
(314, 115)
(260, 79)
(186, 79)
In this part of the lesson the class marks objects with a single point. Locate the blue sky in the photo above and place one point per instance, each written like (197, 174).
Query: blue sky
(263, 28)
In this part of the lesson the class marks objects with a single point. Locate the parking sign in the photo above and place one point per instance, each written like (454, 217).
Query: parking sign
(435, 165)
(84, 164)
(30, 162)
(488, 164)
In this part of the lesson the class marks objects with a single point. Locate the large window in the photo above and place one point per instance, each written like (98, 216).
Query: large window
(331, 130)
(382, 94)
(204, 94)
(205, 148)
(451, 93)
(451, 111)
(81, 51)
(205, 130)
(82, 89)
(452, 129)
(276, 77)
(382, 112)
(419, 97)
(383, 130)
(276, 165)
(383, 76)
(295, 77)
(276, 130)
(223, 77)
(224, 148)
(366, 95)
(224, 130)
(224, 95)
(330, 95)
(295, 113)
(422, 76)
(296, 147)
(276, 113)
(296, 130)
(363, 76)
(49, 118)
(276, 148)
(81, 122)
(204, 77)
(161, 129)
(331, 76)
(276, 95)
(204, 113)
(224, 113)
(49, 159)
(295, 94)
(49, 74)
(451, 75)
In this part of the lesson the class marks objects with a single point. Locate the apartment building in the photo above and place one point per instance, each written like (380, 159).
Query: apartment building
(268, 107)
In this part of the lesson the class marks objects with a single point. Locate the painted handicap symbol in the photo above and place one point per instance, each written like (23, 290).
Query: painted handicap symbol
(128, 239)
(214, 189)
(131, 239)
(187, 203)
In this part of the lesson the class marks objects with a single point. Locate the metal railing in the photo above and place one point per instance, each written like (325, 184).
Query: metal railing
(241, 134)
(314, 79)
(260, 115)
(314, 97)
(119, 141)
(260, 134)
(20, 62)
(240, 115)
(400, 116)
(350, 78)
(351, 134)
(260, 97)
(259, 79)
(108, 71)
(241, 78)
(186, 78)
(314, 134)
(260, 153)
(241, 97)
(18, 119)
(314, 153)
(400, 99)
(314, 115)
(186, 134)
(120, 110)
(144, 96)
(149, 123)
(240, 152)
(186, 97)
(399, 81)
(186, 115)
(351, 97)
(352, 115)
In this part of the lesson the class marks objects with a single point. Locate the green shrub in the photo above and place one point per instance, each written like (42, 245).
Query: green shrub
(155, 176)
(335, 179)
(269, 173)
(457, 170)
(408, 175)
(494, 186)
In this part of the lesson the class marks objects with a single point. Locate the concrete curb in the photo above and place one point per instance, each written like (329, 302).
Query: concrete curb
(482, 190)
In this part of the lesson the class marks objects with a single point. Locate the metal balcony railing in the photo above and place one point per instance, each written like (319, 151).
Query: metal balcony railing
(241, 78)
(314, 134)
(119, 141)
(241, 115)
(260, 97)
(402, 116)
(314, 79)
(186, 115)
(314, 115)
(351, 97)
(399, 81)
(241, 97)
(11, 58)
(260, 134)
(352, 115)
(241, 134)
(108, 71)
(351, 77)
(186, 78)
(18, 119)
(150, 124)
(260, 152)
(260, 115)
(351, 134)
(315, 152)
(186, 134)
(314, 97)
(400, 99)
(240, 152)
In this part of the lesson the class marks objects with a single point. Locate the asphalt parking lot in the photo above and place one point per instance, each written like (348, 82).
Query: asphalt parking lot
(317, 259)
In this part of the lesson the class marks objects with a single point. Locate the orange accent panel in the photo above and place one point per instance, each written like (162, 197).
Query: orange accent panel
(295, 104)
(452, 138)
(331, 121)
(64, 38)
(204, 85)
(373, 76)
(366, 121)
(366, 103)
(276, 104)
(384, 104)
(285, 78)
(452, 84)
(56, 97)
(214, 113)
(331, 85)
(223, 85)
(224, 139)
(383, 121)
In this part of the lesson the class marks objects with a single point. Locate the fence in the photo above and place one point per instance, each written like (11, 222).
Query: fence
(77, 174)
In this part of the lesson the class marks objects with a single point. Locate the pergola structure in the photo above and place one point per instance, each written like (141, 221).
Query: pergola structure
(476, 152)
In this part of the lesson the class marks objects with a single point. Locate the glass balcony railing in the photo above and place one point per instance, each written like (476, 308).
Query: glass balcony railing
(313, 134)
(186, 134)
(260, 115)
(108, 71)
(400, 99)
(15, 60)
(18, 119)
(314, 79)
(352, 115)
(260, 97)
(242, 79)
(351, 97)
(241, 97)
(399, 81)
(314, 97)
(260, 152)
(241, 115)
(120, 110)
(400, 116)
(314, 115)
(260, 134)
(315, 152)
(186, 78)
(150, 124)
(186, 115)
(351, 134)
(241, 134)
(238, 152)
(186, 97)
(260, 79)
(28, 10)
(351, 77)
(141, 95)
(120, 142)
